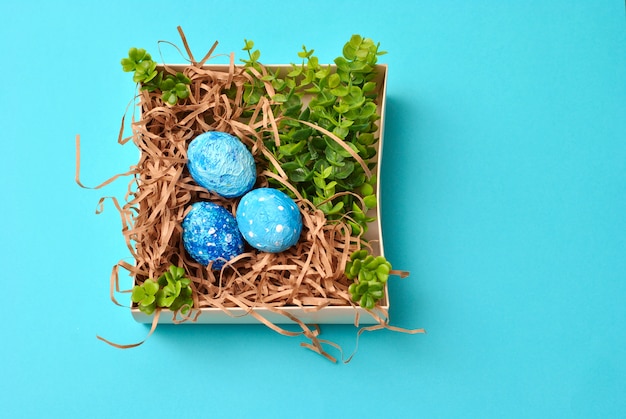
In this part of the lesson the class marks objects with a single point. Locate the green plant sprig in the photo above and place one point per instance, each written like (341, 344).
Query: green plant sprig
(341, 101)
(172, 87)
(171, 290)
(370, 275)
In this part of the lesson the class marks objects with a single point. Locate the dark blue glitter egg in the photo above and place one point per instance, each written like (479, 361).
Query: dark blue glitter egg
(210, 234)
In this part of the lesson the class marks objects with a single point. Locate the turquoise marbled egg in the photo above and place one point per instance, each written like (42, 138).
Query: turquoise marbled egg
(221, 163)
(269, 220)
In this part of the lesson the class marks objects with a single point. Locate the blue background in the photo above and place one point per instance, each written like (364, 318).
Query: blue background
(504, 196)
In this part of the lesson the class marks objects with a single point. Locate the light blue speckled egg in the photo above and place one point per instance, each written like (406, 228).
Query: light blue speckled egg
(269, 220)
(210, 234)
(221, 163)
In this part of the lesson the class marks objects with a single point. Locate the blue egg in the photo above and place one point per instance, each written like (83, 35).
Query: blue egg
(221, 163)
(210, 234)
(269, 220)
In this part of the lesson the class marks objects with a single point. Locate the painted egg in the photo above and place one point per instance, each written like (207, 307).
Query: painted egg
(269, 220)
(210, 234)
(221, 163)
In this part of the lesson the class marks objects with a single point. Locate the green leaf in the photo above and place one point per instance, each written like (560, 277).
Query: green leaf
(295, 72)
(330, 188)
(341, 132)
(302, 134)
(367, 189)
(378, 260)
(349, 52)
(370, 86)
(148, 300)
(149, 76)
(323, 100)
(348, 273)
(133, 54)
(138, 294)
(368, 110)
(248, 45)
(148, 309)
(342, 64)
(150, 287)
(164, 279)
(358, 67)
(333, 157)
(340, 91)
(382, 272)
(355, 41)
(138, 54)
(180, 302)
(334, 80)
(128, 64)
(292, 149)
(182, 92)
(345, 123)
(356, 267)
(279, 85)
(146, 66)
(167, 290)
(304, 53)
(374, 286)
(370, 201)
(169, 97)
(301, 174)
(363, 302)
(356, 228)
(337, 208)
(342, 108)
(181, 78)
(280, 98)
(376, 295)
(323, 73)
(362, 54)
(290, 165)
(164, 300)
(366, 138)
(327, 171)
(168, 83)
(319, 182)
(342, 172)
